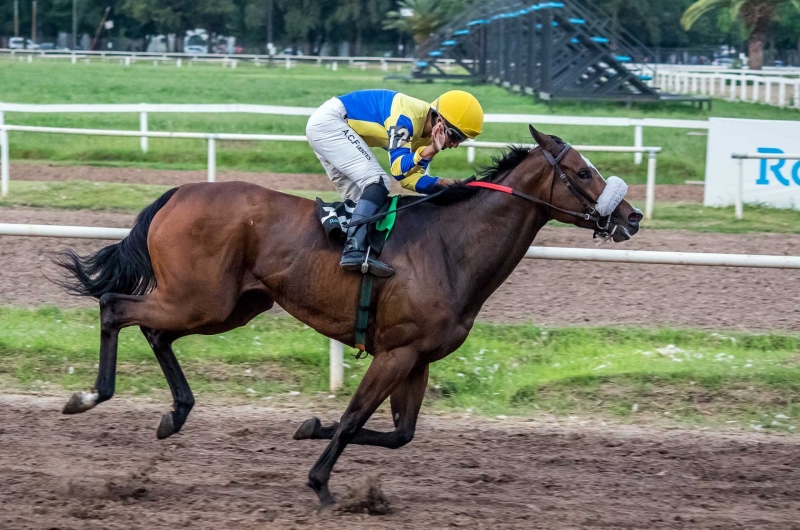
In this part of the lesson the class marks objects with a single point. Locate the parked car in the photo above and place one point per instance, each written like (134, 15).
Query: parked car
(21, 43)
(47, 46)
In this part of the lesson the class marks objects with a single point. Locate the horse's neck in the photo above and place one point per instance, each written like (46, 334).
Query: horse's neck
(494, 240)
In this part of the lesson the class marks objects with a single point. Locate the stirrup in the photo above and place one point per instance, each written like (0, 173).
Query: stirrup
(365, 264)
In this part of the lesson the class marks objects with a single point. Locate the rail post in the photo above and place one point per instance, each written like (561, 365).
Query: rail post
(3, 159)
(743, 94)
(470, 154)
(797, 94)
(212, 159)
(651, 185)
(782, 93)
(143, 128)
(337, 365)
(638, 141)
(739, 191)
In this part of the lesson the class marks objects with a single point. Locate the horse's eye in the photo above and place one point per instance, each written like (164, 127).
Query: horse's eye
(585, 174)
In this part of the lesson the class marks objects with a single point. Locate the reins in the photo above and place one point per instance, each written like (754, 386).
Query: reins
(577, 192)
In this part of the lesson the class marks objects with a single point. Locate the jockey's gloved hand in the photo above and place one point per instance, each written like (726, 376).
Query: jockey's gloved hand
(438, 136)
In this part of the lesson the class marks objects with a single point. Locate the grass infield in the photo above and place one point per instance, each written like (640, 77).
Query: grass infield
(674, 375)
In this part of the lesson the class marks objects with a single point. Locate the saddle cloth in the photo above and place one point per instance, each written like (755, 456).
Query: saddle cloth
(335, 215)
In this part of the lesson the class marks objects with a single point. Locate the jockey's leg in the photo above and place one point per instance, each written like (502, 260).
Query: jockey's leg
(355, 172)
(355, 248)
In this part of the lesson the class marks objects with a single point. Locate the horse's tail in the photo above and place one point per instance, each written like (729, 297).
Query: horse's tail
(122, 268)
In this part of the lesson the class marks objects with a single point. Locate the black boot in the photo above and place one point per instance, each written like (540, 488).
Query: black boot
(355, 248)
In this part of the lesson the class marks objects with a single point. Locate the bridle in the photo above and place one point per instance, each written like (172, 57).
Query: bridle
(602, 222)
(603, 227)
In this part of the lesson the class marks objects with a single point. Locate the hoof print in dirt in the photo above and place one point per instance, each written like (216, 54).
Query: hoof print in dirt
(365, 496)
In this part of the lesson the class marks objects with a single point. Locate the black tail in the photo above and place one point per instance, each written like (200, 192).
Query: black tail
(122, 268)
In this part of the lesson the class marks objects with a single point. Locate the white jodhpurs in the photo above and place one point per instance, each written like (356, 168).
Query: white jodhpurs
(347, 160)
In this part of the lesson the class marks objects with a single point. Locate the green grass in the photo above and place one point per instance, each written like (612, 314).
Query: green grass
(688, 376)
(84, 195)
(697, 218)
(58, 82)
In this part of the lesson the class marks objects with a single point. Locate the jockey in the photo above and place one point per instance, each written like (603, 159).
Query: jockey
(343, 129)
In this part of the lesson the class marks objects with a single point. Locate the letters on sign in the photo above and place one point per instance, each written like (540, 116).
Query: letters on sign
(776, 168)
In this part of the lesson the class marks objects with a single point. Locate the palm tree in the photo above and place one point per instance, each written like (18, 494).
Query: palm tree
(756, 15)
(420, 18)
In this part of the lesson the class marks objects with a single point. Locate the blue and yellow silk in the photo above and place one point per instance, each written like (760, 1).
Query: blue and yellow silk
(393, 121)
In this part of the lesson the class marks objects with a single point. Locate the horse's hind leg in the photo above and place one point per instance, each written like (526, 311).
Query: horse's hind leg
(182, 398)
(112, 319)
(406, 401)
(249, 305)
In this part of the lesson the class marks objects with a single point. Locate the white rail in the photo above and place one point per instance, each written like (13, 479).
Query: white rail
(171, 56)
(741, 157)
(665, 258)
(212, 138)
(734, 86)
(146, 108)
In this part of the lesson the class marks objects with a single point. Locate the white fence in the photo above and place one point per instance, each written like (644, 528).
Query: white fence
(144, 109)
(742, 86)
(336, 350)
(127, 58)
(212, 138)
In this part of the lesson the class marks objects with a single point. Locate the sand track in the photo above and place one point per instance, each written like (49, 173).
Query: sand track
(237, 467)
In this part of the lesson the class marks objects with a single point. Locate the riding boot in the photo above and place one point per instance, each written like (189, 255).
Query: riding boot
(355, 248)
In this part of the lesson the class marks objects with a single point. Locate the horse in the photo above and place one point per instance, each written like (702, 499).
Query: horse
(206, 258)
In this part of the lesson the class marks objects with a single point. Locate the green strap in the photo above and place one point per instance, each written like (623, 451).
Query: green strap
(387, 223)
(362, 314)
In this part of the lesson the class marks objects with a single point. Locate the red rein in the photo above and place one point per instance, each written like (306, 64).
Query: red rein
(490, 186)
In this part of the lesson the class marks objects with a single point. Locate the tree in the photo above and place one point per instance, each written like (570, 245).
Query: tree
(359, 16)
(419, 18)
(757, 16)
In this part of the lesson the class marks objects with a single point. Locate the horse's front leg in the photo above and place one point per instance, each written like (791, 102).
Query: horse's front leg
(406, 401)
(387, 370)
(113, 308)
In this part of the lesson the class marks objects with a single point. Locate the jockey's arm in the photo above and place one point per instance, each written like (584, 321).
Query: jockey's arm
(407, 166)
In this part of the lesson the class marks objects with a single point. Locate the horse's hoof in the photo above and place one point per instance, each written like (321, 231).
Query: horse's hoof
(80, 402)
(167, 427)
(308, 429)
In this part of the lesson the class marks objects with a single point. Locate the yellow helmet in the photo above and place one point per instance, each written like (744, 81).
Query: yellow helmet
(461, 110)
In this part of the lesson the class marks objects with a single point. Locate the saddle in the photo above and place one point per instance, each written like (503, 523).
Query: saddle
(334, 216)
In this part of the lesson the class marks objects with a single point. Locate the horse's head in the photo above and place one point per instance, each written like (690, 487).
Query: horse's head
(576, 186)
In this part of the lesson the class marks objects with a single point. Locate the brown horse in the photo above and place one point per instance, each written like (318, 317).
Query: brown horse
(207, 258)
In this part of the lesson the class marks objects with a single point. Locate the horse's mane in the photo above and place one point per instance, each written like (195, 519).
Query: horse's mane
(459, 191)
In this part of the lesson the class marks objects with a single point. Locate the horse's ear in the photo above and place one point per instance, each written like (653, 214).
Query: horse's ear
(542, 139)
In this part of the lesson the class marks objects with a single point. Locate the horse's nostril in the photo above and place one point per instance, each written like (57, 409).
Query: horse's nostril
(635, 217)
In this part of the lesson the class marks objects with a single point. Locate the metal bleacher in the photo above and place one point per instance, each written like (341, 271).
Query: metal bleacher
(552, 50)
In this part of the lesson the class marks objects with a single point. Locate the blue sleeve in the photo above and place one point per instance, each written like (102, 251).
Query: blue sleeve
(425, 184)
(401, 158)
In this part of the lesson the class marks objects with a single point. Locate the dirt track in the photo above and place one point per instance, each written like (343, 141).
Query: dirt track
(555, 293)
(237, 467)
